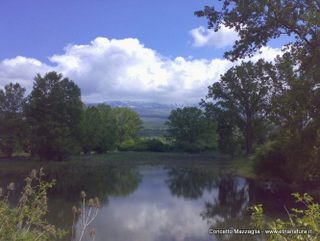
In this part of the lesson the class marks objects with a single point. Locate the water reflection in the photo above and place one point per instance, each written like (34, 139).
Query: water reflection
(152, 213)
(152, 203)
(102, 182)
(229, 209)
(98, 181)
(232, 201)
(190, 183)
(229, 199)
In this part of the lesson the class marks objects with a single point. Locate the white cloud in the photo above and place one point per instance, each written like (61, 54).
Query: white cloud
(208, 37)
(267, 53)
(21, 69)
(125, 70)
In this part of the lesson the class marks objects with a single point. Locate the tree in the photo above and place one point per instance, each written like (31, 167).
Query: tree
(98, 129)
(53, 112)
(240, 100)
(258, 21)
(230, 139)
(11, 118)
(127, 123)
(298, 122)
(296, 75)
(191, 129)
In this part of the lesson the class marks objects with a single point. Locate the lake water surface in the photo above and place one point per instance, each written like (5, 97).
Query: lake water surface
(158, 203)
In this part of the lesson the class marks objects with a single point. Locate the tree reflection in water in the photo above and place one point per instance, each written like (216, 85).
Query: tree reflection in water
(98, 181)
(102, 182)
(190, 183)
(230, 209)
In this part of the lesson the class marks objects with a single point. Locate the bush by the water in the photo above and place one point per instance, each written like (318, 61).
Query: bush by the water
(159, 145)
(269, 159)
(26, 221)
(141, 144)
(305, 219)
(294, 158)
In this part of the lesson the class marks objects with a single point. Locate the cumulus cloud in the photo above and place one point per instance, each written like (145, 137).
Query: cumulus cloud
(21, 69)
(208, 37)
(125, 69)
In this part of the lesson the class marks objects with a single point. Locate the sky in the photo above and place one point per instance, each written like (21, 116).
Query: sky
(140, 50)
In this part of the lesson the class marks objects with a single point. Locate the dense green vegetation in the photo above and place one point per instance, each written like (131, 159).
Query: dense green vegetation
(191, 130)
(275, 105)
(27, 221)
(52, 122)
(274, 108)
(104, 129)
(306, 219)
(11, 118)
(52, 112)
(239, 103)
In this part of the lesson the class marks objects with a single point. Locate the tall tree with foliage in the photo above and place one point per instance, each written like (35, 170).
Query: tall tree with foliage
(295, 111)
(296, 77)
(191, 129)
(230, 139)
(127, 123)
(53, 112)
(241, 98)
(11, 118)
(258, 21)
(99, 132)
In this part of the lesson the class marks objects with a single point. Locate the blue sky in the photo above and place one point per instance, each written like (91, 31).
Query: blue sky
(41, 28)
(137, 50)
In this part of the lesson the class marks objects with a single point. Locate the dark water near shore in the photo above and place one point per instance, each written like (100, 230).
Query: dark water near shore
(158, 203)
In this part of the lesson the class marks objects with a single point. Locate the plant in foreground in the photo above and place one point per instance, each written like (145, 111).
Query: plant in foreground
(27, 220)
(306, 221)
(86, 213)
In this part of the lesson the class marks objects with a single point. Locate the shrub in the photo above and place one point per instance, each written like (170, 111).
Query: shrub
(153, 144)
(133, 145)
(156, 145)
(298, 219)
(292, 157)
(26, 221)
(269, 159)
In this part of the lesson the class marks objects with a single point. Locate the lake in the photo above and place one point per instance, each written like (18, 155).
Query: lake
(157, 202)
